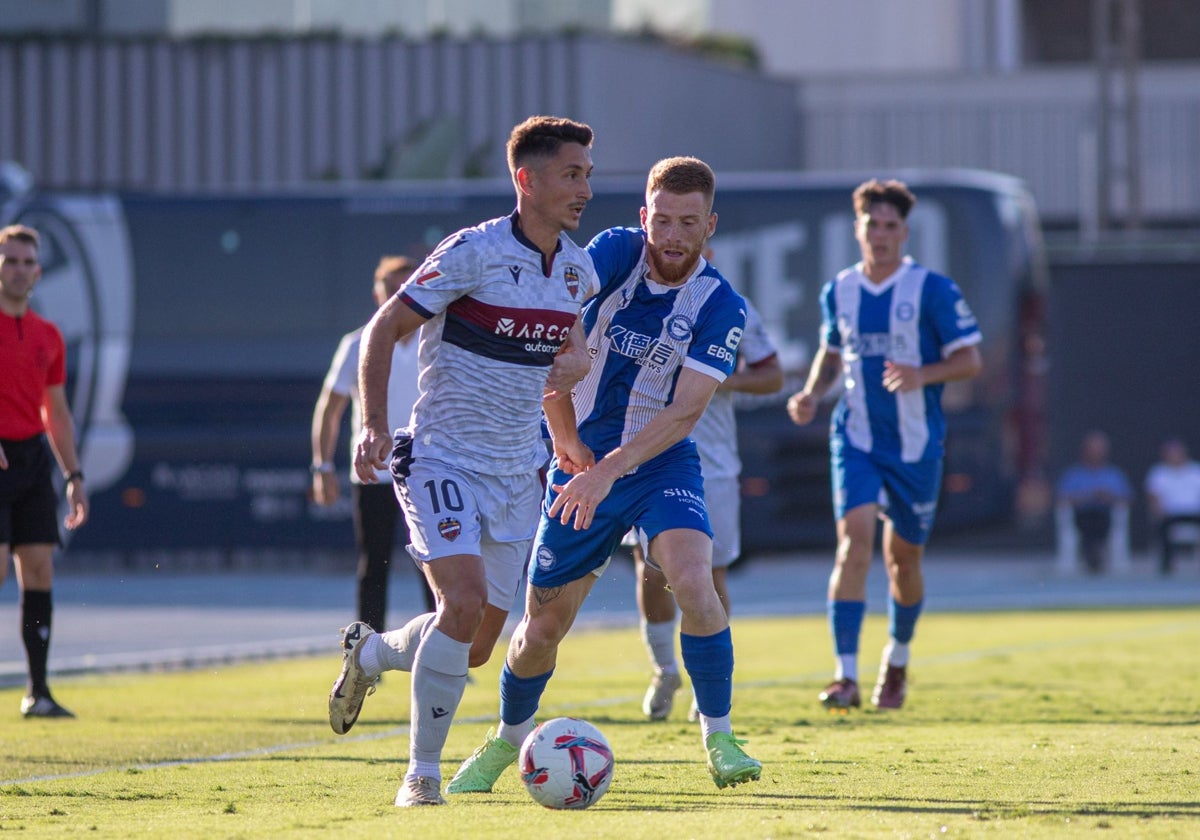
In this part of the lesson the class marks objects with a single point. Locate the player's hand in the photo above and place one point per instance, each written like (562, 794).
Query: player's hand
(573, 456)
(77, 505)
(802, 407)
(580, 497)
(370, 454)
(898, 377)
(570, 365)
(325, 488)
(3, 459)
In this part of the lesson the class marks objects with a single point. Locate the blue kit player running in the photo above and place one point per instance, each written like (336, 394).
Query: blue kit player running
(894, 332)
(663, 332)
(495, 305)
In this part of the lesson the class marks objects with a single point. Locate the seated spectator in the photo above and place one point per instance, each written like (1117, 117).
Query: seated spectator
(1173, 493)
(1094, 488)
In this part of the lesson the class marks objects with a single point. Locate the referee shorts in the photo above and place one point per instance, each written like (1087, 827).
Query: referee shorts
(28, 501)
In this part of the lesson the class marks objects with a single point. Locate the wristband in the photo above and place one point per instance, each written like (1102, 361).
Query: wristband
(324, 467)
(77, 475)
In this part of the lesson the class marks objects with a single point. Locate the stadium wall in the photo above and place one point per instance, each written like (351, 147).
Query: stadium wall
(233, 113)
(1039, 125)
(265, 113)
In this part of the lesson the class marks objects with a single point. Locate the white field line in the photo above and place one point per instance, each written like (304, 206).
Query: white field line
(944, 659)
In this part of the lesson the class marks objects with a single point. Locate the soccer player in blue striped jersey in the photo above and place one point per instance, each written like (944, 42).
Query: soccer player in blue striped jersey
(894, 333)
(663, 332)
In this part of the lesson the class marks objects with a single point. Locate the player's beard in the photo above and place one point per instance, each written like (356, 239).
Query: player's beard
(673, 272)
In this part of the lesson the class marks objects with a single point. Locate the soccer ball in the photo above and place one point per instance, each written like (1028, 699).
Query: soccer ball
(566, 763)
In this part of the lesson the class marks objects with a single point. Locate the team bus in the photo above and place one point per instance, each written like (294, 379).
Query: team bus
(200, 327)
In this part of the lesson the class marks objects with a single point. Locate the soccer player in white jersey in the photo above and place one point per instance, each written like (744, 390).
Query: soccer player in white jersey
(894, 332)
(494, 304)
(376, 513)
(663, 333)
(758, 371)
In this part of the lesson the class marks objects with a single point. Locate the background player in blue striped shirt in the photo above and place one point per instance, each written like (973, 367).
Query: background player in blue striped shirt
(894, 333)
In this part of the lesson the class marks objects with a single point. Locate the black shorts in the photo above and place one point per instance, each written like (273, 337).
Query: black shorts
(28, 501)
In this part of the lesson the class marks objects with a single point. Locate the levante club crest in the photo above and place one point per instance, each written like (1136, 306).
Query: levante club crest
(571, 278)
(450, 528)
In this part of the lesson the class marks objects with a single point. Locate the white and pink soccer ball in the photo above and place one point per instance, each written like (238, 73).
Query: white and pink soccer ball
(566, 763)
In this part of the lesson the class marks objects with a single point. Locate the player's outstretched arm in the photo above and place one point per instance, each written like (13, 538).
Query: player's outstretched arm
(327, 418)
(572, 453)
(391, 322)
(571, 364)
(764, 377)
(963, 363)
(580, 496)
(826, 367)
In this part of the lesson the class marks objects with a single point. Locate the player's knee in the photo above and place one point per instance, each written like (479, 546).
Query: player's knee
(462, 610)
(480, 653)
(852, 556)
(901, 555)
(541, 634)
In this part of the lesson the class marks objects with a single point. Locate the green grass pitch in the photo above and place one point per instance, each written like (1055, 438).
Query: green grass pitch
(1082, 723)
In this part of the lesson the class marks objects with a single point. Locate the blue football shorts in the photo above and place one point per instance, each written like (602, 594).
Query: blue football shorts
(907, 493)
(722, 498)
(663, 494)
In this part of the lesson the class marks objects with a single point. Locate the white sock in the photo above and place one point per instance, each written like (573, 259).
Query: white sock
(439, 677)
(516, 733)
(896, 653)
(709, 725)
(847, 667)
(395, 649)
(428, 769)
(659, 638)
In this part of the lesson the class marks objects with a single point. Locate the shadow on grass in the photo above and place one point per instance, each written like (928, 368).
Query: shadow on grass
(758, 795)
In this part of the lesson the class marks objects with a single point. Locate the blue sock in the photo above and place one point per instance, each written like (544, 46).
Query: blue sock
(519, 696)
(709, 662)
(903, 620)
(845, 622)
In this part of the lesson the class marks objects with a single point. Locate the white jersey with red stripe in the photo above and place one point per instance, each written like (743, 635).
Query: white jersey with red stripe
(716, 430)
(497, 317)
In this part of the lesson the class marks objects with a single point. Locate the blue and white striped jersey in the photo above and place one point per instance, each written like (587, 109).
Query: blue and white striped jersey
(497, 319)
(642, 333)
(914, 317)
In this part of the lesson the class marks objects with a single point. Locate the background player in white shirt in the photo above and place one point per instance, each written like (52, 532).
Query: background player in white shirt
(663, 332)
(1173, 491)
(758, 371)
(494, 304)
(376, 512)
(894, 332)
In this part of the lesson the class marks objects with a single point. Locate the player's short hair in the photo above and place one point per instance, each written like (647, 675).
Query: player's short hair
(893, 192)
(393, 264)
(20, 233)
(682, 175)
(542, 136)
